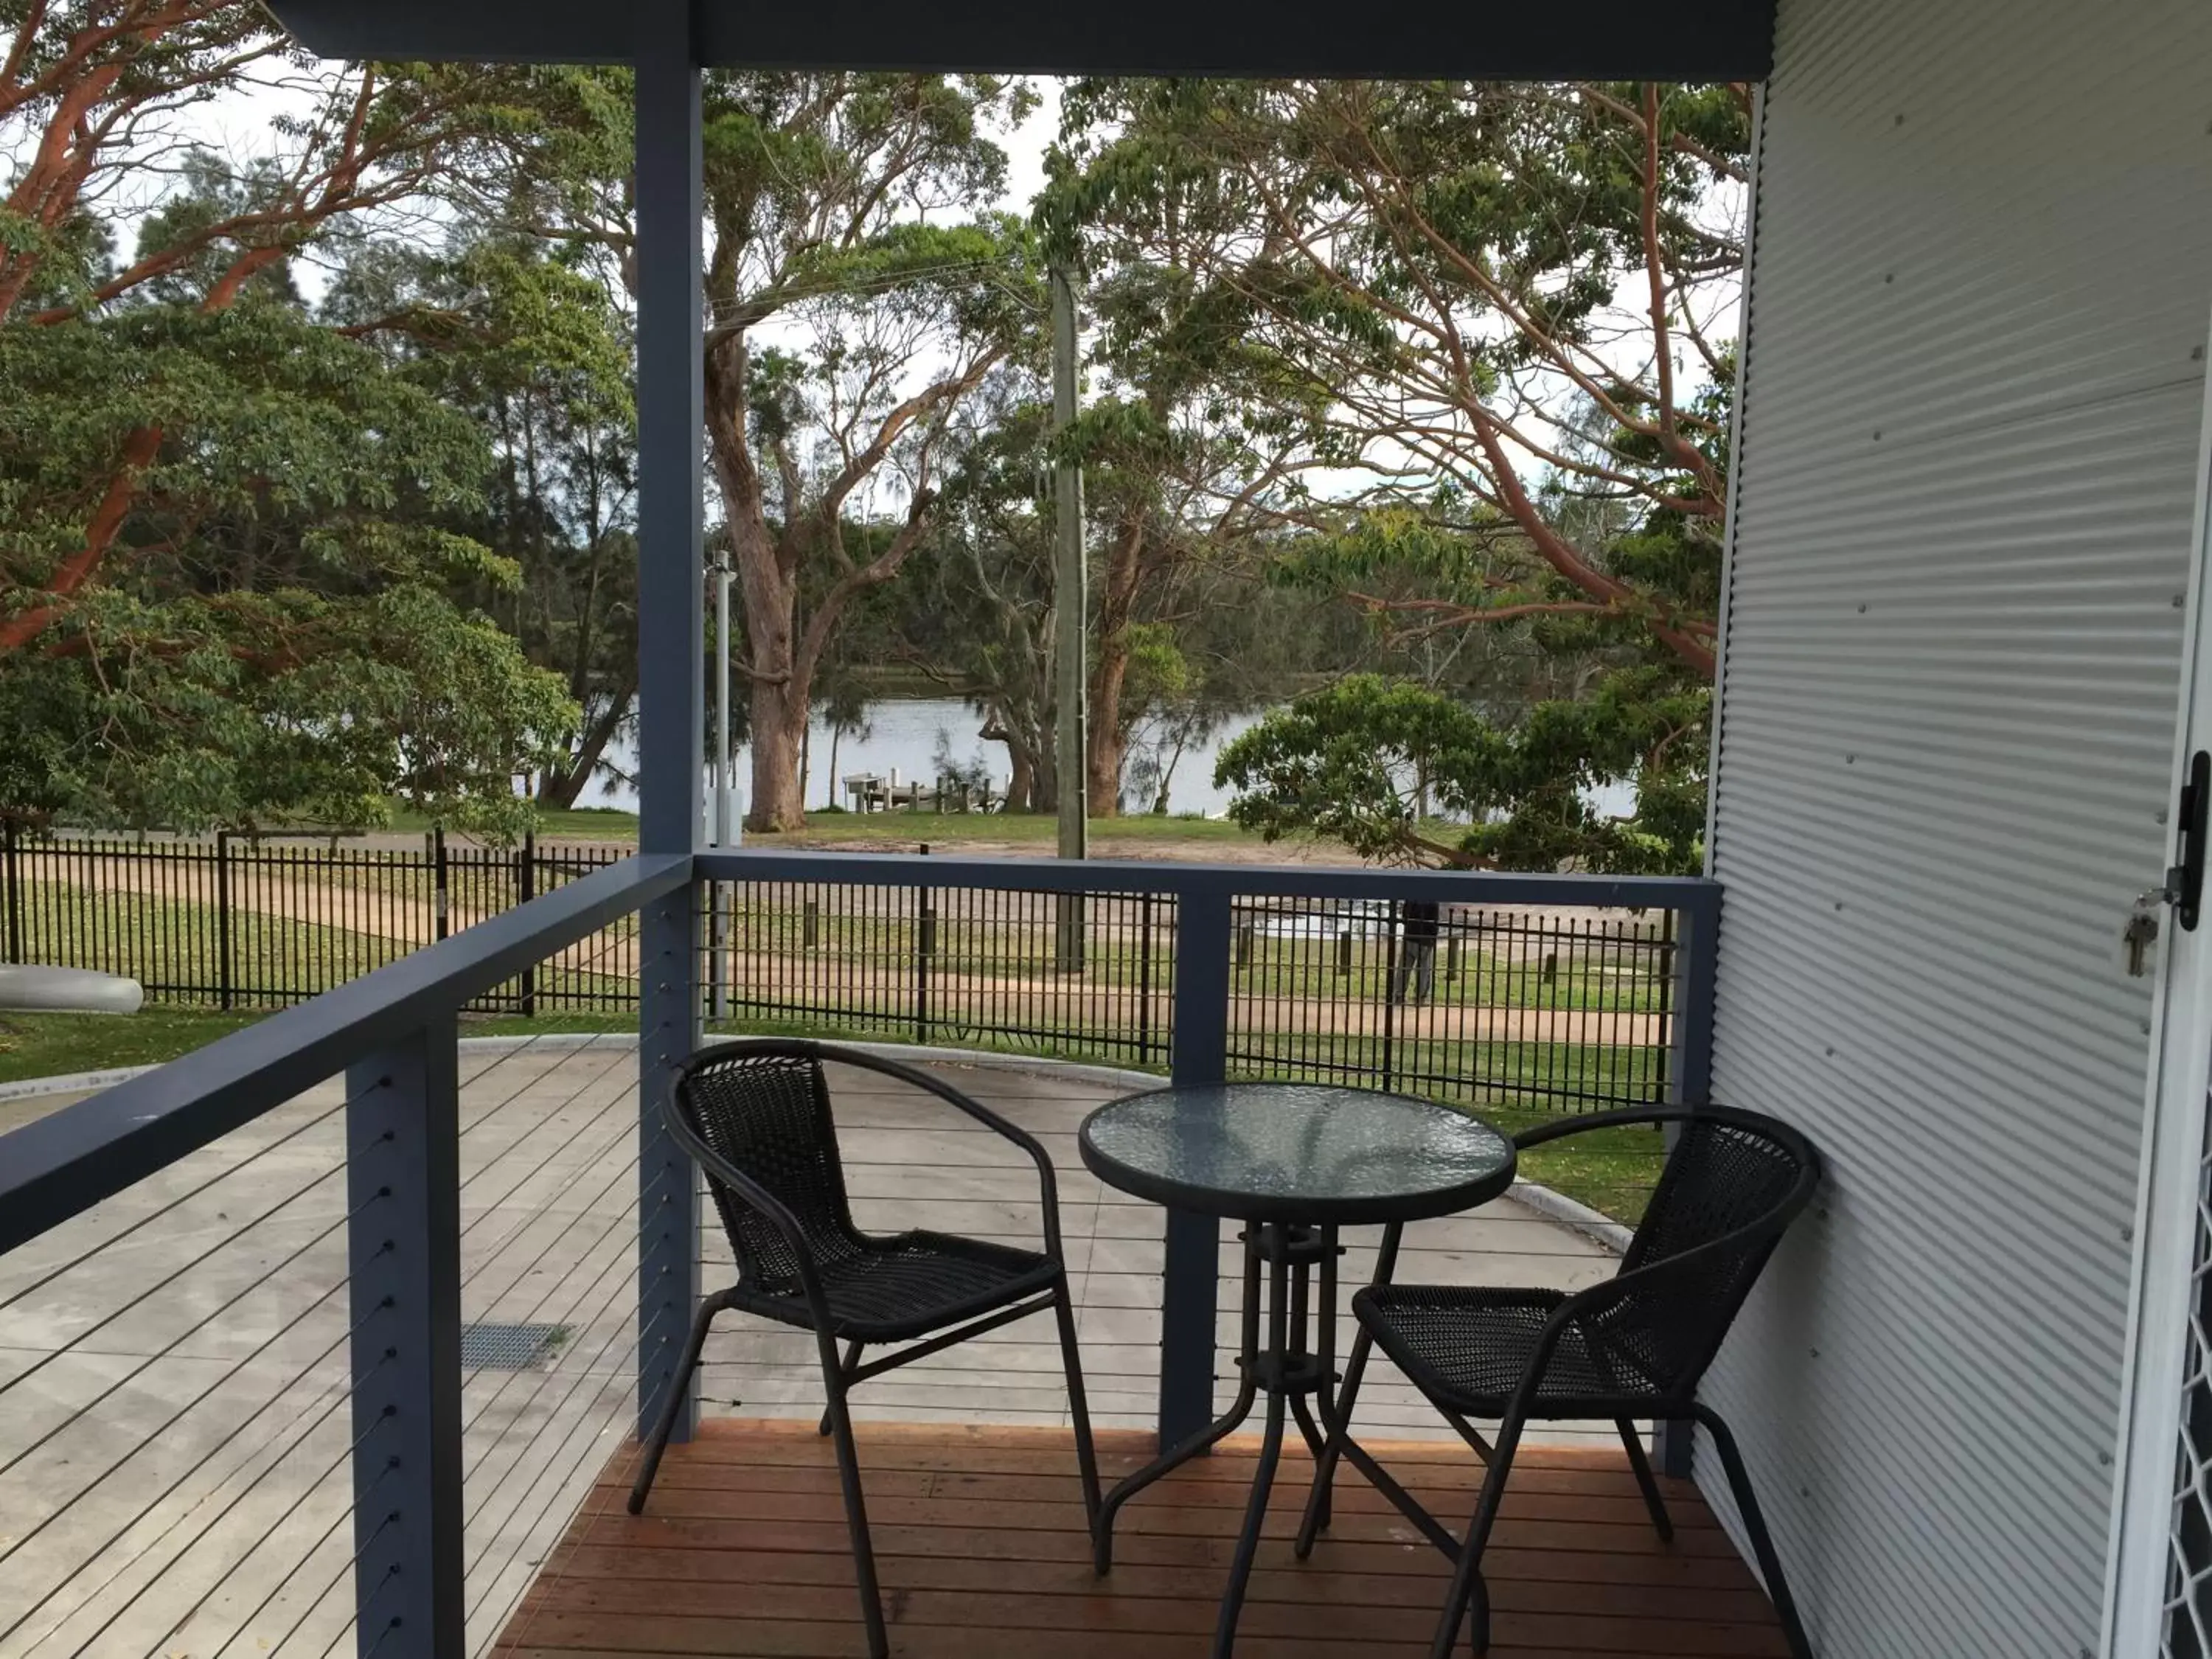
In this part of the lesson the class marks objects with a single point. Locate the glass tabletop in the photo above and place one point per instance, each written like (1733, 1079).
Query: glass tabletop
(1297, 1152)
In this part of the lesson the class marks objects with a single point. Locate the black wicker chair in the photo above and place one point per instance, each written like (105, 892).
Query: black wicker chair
(1632, 1349)
(757, 1116)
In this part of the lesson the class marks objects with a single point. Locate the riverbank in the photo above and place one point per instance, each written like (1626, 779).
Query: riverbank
(1185, 840)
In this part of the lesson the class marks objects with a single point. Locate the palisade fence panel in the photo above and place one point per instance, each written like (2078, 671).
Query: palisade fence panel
(1546, 1005)
(236, 922)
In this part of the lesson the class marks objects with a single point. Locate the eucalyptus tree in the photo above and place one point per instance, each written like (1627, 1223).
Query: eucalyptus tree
(859, 288)
(1504, 295)
(227, 523)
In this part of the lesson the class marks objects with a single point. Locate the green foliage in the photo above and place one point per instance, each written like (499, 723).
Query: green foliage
(1359, 761)
(282, 626)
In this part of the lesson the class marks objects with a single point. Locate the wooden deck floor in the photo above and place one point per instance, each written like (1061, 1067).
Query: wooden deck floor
(980, 1540)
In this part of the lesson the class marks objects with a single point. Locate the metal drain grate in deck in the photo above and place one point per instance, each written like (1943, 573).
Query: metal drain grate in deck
(508, 1347)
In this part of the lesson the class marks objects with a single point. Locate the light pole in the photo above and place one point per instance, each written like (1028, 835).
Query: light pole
(726, 831)
(1070, 629)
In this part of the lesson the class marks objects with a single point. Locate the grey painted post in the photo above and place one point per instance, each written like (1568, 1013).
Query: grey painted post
(1193, 1269)
(403, 1249)
(672, 673)
(1690, 1083)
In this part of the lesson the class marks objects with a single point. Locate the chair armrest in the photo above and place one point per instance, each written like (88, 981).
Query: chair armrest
(1582, 1123)
(928, 1083)
(767, 1203)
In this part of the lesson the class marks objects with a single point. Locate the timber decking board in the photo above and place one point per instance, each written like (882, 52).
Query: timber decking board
(980, 1542)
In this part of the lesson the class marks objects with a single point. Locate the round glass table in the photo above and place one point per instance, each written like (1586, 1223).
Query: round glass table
(1294, 1162)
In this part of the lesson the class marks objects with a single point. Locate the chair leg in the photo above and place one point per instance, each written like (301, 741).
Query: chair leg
(1078, 1404)
(650, 1465)
(1467, 1590)
(852, 1365)
(1642, 1465)
(1754, 1523)
(856, 1512)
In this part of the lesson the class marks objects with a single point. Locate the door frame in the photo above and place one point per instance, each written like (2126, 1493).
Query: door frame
(2165, 1224)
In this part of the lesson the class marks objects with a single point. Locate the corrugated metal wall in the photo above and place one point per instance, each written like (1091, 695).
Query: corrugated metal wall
(1983, 270)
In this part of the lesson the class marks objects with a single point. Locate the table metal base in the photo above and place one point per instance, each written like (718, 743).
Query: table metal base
(1298, 1381)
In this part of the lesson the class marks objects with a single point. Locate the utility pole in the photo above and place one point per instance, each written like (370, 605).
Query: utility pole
(724, 816)
(1070, 629)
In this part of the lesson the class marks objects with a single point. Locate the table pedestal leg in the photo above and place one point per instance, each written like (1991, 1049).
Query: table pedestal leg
(1283, 1369)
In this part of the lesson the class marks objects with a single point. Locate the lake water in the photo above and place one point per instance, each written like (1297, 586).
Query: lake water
(905, 734)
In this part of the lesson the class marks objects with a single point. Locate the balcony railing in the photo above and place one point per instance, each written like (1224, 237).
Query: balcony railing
(288, 1231)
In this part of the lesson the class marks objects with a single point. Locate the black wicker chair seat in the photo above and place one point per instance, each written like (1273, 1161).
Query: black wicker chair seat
(1467, 1347)
(756, 1116)
(908, 1286)
(1630, 1349)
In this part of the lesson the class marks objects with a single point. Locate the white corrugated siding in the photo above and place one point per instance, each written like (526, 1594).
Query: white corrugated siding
(1983, 268)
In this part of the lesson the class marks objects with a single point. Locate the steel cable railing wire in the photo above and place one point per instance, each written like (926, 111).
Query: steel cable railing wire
(346, 1570)
(582, 1433)
(618, 1056)
(152, 1435)
(320, 1406)
(260, 1215)
(354, 1497)
(620, 1110)
(186, 1197)
(342, 1396)
(170, 1347)
(591, 1373)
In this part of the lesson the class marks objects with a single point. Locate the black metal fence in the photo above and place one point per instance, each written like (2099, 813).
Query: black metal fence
(236, 922)
(1540, 1004)
(1501, 1005)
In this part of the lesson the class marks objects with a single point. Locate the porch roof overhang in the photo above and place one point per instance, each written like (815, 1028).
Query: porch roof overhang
(1592, 40)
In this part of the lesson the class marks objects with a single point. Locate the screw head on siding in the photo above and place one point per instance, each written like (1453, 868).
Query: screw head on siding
(1888, 276)
(2104, 1460)
(2196, 354)
(1850, 760)
(1862, 608)
(1839, 904)
(1877, 436)
(2127, 1233)
(2179, 600)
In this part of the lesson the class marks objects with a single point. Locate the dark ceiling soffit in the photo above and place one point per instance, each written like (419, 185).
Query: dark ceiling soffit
(1501, 41)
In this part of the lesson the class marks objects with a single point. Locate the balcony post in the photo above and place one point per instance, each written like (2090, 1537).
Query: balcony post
(404, 1249)
(1690, 1081)
(671, 671)
(1192, 1273)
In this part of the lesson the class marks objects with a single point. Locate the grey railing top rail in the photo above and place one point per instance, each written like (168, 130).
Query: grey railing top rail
(64, 1164)
(1694, 894)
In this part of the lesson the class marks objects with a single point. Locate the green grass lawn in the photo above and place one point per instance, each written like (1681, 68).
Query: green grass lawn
(948, 830)
(53, 1045)
(1137, 834)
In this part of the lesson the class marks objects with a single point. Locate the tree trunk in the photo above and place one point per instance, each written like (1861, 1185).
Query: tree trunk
(1109, 670)
(779, 719)
(1104, 744)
